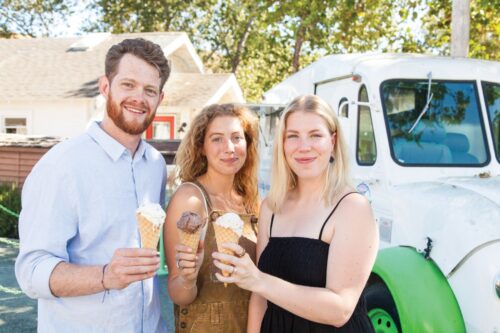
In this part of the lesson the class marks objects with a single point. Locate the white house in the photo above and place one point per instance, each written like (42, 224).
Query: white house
(49, 86)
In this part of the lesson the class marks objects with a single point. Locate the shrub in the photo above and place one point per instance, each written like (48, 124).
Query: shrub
(10, 198)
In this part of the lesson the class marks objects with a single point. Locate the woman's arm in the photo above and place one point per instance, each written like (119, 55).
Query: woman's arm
(351, 257)
(256, 311)
(258, 304)
(182, 281)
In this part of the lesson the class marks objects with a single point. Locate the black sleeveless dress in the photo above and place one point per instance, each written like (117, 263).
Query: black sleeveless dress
(303, 261)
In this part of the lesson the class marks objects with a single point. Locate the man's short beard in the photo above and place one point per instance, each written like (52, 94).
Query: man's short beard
(116, 113)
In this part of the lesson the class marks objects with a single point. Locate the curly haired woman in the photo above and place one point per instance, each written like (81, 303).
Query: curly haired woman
(217, 166)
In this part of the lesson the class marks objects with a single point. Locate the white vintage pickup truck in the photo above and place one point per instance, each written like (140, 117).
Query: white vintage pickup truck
(424, 140)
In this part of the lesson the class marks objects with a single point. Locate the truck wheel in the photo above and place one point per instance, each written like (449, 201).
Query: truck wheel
(382, 309)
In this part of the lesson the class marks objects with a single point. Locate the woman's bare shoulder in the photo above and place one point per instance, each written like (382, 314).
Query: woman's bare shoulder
(188, 197)
(355, 209)
(265, 215)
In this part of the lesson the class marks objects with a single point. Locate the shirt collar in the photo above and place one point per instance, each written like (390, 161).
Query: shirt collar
(113, 148)
(142, 151)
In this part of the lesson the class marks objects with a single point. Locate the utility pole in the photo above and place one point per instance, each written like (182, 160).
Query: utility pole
(460, 25)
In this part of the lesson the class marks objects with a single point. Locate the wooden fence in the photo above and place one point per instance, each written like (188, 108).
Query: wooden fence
(16, 161)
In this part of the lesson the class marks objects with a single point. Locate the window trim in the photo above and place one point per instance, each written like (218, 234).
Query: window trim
(490, 121)
(167, 118)
(339, 112)
(358, 127)
(4, 127)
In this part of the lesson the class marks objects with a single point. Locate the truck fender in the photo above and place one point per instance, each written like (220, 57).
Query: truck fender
(422, 296)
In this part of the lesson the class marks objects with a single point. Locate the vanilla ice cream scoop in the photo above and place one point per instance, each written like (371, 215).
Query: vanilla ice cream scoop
(231, 221)
(153, 212)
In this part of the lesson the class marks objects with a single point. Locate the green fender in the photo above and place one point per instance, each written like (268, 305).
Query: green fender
(423, 297)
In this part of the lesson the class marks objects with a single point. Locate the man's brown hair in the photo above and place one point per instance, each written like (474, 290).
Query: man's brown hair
(141, 48)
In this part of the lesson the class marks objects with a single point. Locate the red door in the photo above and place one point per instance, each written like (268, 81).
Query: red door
(162, 128)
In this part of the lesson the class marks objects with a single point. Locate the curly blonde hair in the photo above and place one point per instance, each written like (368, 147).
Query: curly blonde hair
(191, 163)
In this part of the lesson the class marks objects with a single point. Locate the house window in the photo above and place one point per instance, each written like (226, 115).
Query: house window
(162, 128)
(15, 126)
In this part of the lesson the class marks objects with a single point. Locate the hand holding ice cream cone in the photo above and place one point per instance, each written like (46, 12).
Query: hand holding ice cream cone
(189, 255)
(244, 272)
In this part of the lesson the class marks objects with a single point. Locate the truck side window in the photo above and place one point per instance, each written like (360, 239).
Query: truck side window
(344, 111)
(491, 93)
(366, 149)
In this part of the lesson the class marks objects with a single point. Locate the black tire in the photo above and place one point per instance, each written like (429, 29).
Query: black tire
(378, 297)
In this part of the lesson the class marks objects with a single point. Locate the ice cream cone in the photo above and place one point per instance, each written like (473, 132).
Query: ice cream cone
(150, 233)
(225, 235)
(189, 228)
(190, 239)
(150, 218)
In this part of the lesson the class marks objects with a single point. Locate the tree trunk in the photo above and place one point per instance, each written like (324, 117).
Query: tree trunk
(460, 25)
(241, 44)
(299, 40)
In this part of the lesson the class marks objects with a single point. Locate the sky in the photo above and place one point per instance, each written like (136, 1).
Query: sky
(74, 23)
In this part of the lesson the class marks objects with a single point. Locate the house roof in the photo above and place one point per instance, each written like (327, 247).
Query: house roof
(60, 68)
(17, 140)
(199, 90)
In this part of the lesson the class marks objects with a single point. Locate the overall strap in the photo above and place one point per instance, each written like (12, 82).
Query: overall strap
(331, 213)
(208, 204)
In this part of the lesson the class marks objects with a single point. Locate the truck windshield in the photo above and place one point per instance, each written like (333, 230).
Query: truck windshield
(491, 93)
(450, 132)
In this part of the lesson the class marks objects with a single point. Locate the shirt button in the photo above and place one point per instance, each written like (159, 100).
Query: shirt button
(184, 311)
(183, 325)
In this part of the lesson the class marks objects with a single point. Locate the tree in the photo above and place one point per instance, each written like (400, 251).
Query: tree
(361, 26)
(264, 65)
(233, 26)
(484, 40)
(303, 22)
(120, 16)
(32, 17)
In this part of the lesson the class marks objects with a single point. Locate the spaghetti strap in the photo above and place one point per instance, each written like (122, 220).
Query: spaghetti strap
(331, 213)
(271, 225)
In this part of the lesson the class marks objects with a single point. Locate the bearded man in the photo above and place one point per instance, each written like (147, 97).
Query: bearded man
(80, 252)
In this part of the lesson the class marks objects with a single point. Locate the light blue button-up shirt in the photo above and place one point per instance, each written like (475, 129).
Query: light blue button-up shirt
(79, 206)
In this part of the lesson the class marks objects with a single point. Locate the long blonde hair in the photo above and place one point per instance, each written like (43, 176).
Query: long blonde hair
(283, 179)
(191, 163)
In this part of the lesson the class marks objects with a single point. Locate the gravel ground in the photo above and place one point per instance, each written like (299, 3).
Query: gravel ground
(18, 312)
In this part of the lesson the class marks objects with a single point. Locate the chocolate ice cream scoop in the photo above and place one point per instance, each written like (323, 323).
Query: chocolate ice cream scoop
(189, 222)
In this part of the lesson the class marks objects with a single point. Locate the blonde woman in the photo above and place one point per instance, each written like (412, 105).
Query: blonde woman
(217, 166)
(318, 239)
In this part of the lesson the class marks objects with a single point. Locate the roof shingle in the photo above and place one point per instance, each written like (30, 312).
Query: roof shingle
(43, 68)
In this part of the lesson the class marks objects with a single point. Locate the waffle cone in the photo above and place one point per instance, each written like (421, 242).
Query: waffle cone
(150, 234)
(190, 239)
(225, 235)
